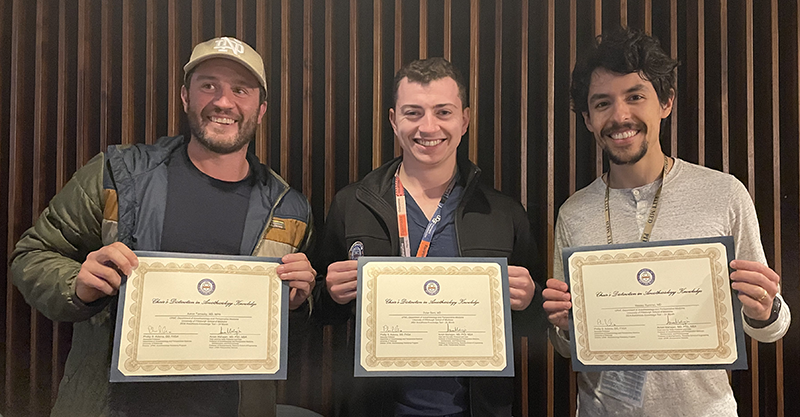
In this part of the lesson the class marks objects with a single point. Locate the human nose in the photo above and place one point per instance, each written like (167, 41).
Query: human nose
(428, 124)
(224, 98)
(622, 112)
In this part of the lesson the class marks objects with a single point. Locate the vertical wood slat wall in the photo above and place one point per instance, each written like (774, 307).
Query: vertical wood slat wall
(76, 76)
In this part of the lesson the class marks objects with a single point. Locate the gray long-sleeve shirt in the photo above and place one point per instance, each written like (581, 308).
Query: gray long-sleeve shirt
(695, 202)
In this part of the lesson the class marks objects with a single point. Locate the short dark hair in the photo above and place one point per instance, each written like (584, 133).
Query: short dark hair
(624, 51)
(424, 71)
(187, 82)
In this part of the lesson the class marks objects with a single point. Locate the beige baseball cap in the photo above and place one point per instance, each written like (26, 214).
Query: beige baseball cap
(229, 48)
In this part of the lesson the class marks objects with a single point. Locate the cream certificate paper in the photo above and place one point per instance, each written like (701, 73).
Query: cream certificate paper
(653, 304)
(433, 316)
(201, 318)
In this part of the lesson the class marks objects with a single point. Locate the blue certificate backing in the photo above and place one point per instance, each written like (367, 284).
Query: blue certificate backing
(117, 376)
(507, 371)
(727, 241)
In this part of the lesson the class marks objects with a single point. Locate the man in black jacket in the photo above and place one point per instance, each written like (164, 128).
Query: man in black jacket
(427, 188)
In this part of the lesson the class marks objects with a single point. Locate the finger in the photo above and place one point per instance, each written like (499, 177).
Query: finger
(555, 295)
(302, 276)
(303, 286)
(754, 278)
(294, 257)
(518, 271)
(90, 280)
(754, 309)
(526, 287)
(557, 285)
(516, 294)
(340, 289)
(296, 266)
(560, 319)
(343, 266)
(552, 307)
(102, 272)
(345, 297)
(113, 257)
(760, 295)
(341, 278)
(127, 252)
(742, 265)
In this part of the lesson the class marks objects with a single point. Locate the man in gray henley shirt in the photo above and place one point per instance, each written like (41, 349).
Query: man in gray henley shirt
(624, 88)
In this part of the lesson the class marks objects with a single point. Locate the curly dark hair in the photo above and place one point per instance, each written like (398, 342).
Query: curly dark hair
(424, 71)
(624, 51)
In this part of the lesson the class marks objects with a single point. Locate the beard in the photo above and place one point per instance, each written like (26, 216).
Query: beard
(200, 130)
(623, 159)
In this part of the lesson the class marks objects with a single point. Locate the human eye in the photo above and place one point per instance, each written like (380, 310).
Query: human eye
(636, 97)
(599, 105)
(207, 87)
(412, 113)
(240, 91)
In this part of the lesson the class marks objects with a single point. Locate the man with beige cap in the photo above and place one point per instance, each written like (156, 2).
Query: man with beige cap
(202, 194)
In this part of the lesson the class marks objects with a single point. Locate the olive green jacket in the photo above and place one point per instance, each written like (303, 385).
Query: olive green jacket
(121, 196)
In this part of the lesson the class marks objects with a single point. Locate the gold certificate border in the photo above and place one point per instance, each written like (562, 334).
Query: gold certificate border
(720, 294)
(496, 359)
(130, 342)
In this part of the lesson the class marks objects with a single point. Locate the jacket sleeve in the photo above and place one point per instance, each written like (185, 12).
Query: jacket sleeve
(49, 255)
(331, 250)
(531, 321)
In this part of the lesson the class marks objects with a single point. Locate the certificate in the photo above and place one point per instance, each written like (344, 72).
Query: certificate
(433, 317)
(200, 318)
(654, 306)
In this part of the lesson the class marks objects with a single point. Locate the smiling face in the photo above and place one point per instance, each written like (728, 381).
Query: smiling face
(222, 105)
(428, 121)
(625, 115)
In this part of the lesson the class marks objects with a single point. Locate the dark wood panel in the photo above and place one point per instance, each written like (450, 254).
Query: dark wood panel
(423, 28)
(174, 71)
(775, 384)
(264, 47)
(723, 76)
(673, 53)
(701, 83)
(523, 104)
(448, 30)
(474, 51)
(108, 72)
(308, 64)
(20, 154)
(498, 95)
(353, 92)
(285, 90)
(377, 83)
(330, 81)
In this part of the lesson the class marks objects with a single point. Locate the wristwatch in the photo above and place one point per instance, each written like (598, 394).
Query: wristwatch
(758, 324)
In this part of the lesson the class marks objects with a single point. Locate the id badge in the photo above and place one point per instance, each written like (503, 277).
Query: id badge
(626, 386)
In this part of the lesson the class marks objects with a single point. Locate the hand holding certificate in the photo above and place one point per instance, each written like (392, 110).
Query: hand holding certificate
(433, 317)
(657, 305)
(201, 318)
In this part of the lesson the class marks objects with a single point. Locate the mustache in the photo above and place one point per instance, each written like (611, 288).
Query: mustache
(623, 126)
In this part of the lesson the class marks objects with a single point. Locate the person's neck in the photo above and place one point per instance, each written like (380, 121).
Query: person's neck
(643, 172)
(230, 167)
(427, 182)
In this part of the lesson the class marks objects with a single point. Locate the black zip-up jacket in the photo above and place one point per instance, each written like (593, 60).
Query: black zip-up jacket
(488, 224)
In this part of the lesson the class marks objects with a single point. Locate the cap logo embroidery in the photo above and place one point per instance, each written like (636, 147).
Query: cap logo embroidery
(231, 45)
